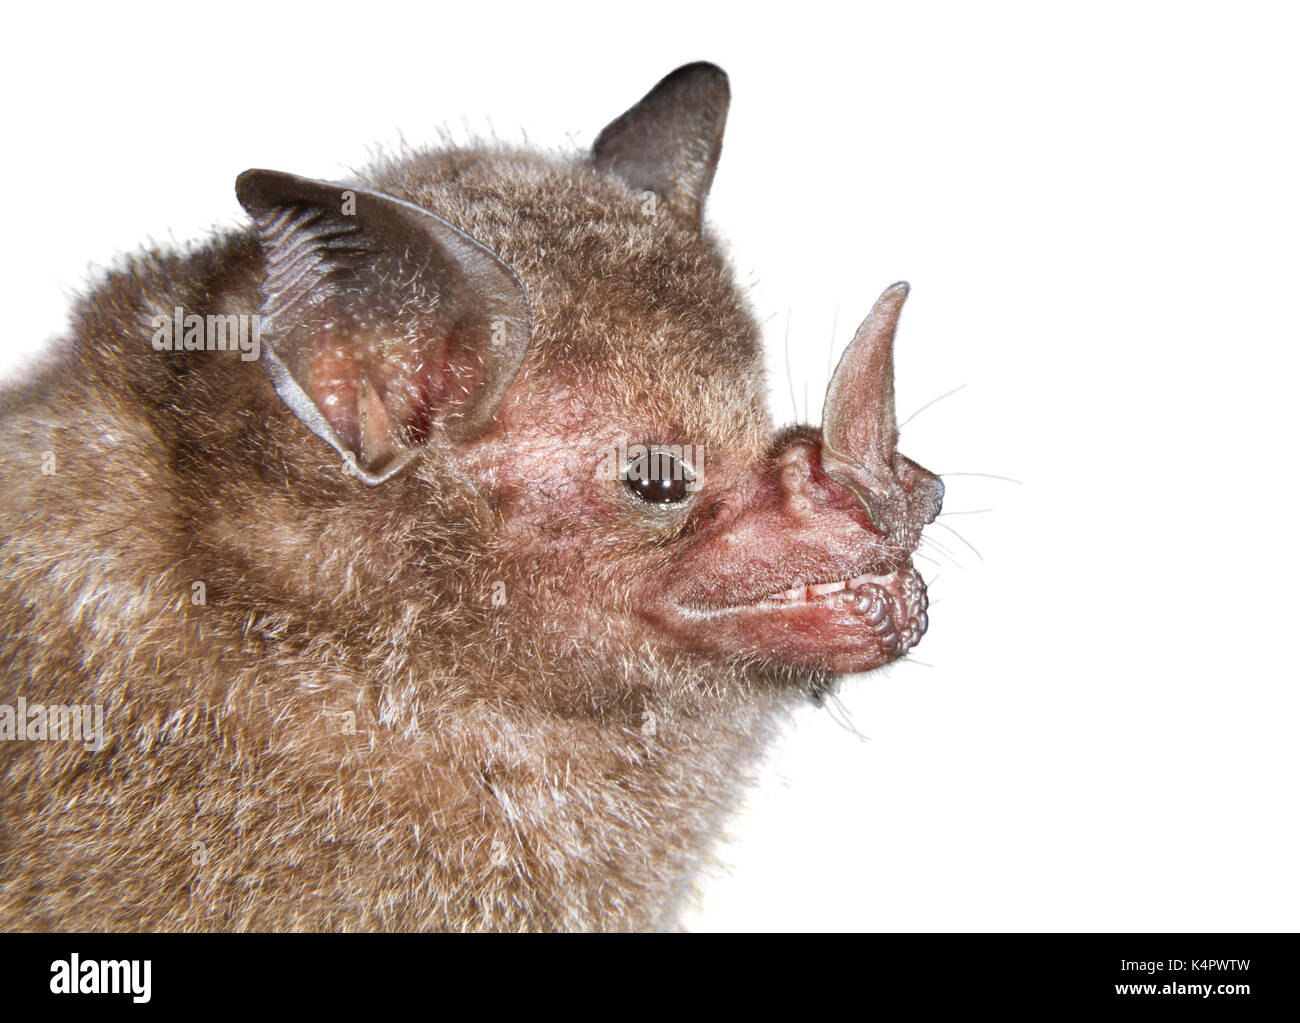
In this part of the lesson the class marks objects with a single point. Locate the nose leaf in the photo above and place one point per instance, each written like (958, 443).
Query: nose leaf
(859, 425)
(859, 421)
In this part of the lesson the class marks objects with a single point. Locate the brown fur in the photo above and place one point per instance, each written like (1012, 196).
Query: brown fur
(550, 761)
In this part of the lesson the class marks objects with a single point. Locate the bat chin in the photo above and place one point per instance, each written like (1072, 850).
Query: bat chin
(844, 626)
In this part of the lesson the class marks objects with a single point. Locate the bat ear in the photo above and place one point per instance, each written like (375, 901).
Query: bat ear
(669, 143)
(381, 323)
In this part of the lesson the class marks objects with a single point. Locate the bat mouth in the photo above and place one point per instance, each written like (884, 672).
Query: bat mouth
(845, 625)
(849, 590)
(893, 606)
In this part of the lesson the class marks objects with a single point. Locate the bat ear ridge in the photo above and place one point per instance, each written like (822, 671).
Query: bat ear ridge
(669, 142)
(382, 324)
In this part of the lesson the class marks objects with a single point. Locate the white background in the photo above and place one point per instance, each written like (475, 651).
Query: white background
(1097, 210)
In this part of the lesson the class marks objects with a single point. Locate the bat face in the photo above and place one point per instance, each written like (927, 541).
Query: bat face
(666, 512)
(583, 349)
(735, 545)
(806, 561)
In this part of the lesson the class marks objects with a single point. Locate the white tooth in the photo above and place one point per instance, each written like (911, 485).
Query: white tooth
(879, 580)
(823, 588)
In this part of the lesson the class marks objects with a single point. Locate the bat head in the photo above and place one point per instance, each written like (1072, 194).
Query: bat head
(561, 341)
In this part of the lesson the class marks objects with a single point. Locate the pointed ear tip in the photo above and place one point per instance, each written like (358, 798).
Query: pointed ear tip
(247, 185)
(701, 69)
(701, 75)
(893, 295)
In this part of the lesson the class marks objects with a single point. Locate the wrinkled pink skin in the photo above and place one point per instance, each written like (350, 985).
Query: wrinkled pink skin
(808, 562)
(793, 526)
(798, 557)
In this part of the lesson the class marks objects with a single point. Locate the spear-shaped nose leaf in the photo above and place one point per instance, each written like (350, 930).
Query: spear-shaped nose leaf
(859, 426)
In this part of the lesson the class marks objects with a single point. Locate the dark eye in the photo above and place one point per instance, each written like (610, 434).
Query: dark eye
(659, 477)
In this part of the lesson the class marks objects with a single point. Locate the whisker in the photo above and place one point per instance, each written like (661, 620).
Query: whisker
(962, 539)
(942, 550)
(841, 715)
(830, 348)
(985, 475)
(940, 547)
(928, 404)
(789, 377)
(973, 511)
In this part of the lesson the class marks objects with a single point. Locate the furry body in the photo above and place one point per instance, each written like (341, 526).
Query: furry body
(435, 703)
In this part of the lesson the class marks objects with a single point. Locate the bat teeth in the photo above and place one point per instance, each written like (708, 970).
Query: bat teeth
(867, 579)
(803, 593)
(866, 592)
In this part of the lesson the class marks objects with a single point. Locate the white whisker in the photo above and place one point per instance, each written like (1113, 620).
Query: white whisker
(930, 403)
(985, 475)
(789, 377)
(962, 539)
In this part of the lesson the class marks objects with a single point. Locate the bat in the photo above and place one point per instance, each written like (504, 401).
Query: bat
(423, 555)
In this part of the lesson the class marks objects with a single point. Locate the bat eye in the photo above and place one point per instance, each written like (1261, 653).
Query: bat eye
(659, 477)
